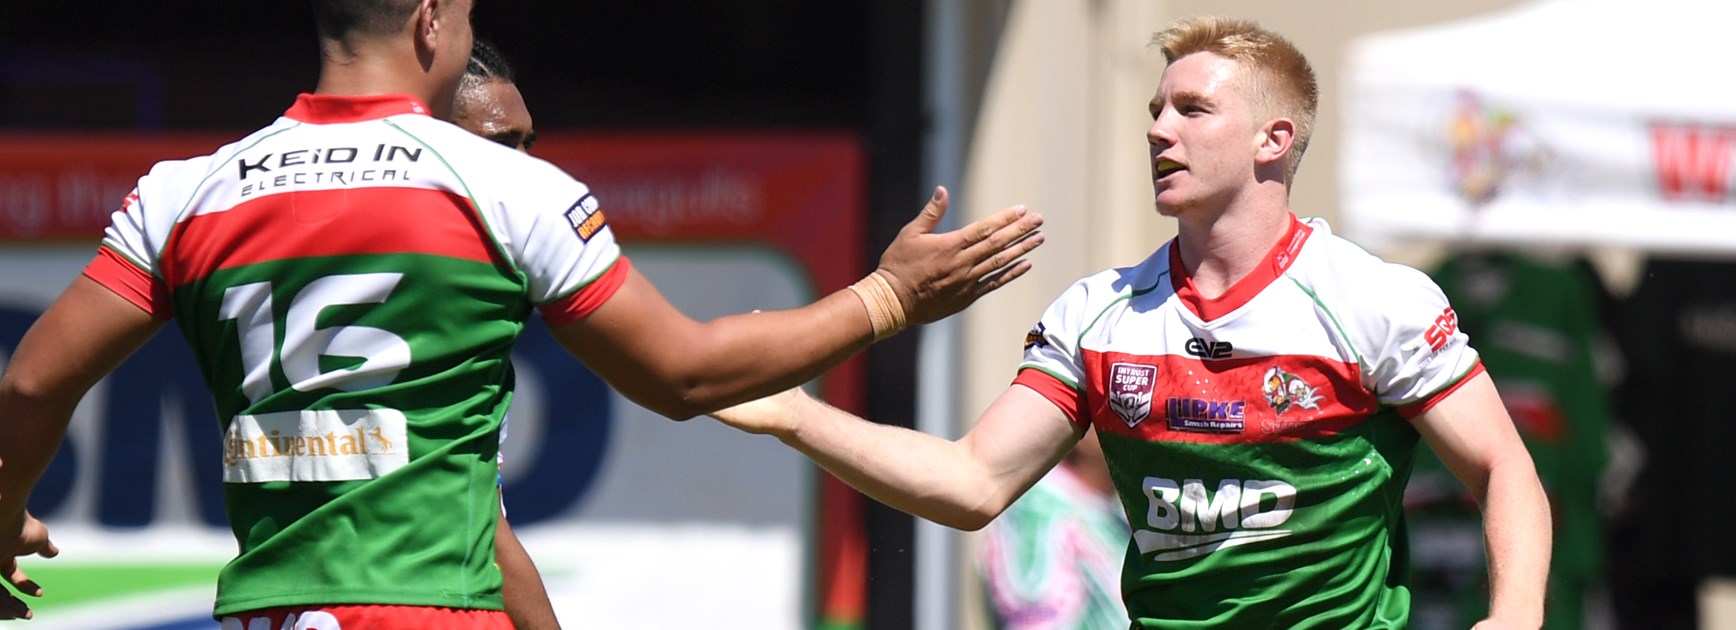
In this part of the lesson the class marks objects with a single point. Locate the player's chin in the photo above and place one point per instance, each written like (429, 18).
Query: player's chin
(1170, 207)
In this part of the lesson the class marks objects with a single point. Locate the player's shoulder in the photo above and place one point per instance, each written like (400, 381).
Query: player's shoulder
(1094, 294)
(187, 173)
(1333, 262)
(1118, 283)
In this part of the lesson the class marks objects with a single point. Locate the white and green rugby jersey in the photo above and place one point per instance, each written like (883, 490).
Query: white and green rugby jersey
(1258, 439)
(352, 279)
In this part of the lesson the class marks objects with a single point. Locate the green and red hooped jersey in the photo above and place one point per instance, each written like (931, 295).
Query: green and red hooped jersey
(1259, 439)
(352, 279)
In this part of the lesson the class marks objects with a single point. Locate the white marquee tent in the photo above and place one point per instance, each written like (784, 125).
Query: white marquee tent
(1561, 122)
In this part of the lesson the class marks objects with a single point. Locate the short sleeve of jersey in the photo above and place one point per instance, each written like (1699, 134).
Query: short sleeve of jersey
(1053, 366)
(1412, 350)
(129, 260)
(556, 232)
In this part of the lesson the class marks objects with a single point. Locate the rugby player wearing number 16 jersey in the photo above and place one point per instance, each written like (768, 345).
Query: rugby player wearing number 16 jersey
(1259, 386)
(352, 279)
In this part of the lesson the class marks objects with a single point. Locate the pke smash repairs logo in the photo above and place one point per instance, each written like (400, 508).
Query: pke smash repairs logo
(585, 217)
(1130, 386)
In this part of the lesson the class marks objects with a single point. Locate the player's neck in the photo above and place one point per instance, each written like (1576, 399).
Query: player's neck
(1218, 251)
(362, 72)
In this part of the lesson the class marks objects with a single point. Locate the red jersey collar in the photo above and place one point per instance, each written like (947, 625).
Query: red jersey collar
(329, 109)
(1279, 259)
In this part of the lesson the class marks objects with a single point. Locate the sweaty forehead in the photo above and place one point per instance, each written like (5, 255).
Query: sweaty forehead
(1200, 76)
(1199, 72)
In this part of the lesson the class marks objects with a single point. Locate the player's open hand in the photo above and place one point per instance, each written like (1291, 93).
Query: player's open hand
(31, 539)
(777, 414)
(936, 275)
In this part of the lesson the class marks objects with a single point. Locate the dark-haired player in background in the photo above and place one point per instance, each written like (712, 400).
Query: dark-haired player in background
(489, 104)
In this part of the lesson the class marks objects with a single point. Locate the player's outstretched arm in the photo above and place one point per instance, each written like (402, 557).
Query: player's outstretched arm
(80, 338)
(658, 357)
(962, 484)
(1472, 434)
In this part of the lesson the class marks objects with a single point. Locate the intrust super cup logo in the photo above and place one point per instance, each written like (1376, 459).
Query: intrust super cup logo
(1130, 387)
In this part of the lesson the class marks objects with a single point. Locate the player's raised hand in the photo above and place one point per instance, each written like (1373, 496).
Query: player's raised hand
(936, 275)
(31, 539)
(776, 415)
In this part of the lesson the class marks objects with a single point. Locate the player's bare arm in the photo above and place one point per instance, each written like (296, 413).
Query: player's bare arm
(521, 588)
(962, 484)
(1472, 434)
(658, 357)
(86, 333)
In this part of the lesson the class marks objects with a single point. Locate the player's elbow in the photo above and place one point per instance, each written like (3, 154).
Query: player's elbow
(19, 387)
(971, 515)
(970, 521)
(676, 407)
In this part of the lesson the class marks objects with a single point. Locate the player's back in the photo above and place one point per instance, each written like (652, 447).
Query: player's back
(352, 295)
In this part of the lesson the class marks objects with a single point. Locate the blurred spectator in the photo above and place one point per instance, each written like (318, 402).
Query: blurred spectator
(1053, 559)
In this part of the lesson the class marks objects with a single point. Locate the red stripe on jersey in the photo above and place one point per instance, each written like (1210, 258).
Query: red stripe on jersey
(374, 616)
(1067, 399)
(313, 223)
(329, 109)
(1277, 260)
(114, 272)
(1419, 407)
(1170, 398)
(588, 298)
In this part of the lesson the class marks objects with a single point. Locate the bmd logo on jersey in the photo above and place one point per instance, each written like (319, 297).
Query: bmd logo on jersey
(1130, 387)
(585, 217)
(1182, 520)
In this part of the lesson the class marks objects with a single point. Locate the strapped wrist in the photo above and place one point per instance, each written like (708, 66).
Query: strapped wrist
(885, 312)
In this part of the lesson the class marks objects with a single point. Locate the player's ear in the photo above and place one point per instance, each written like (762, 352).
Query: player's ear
(1275, 140)
(426, 30)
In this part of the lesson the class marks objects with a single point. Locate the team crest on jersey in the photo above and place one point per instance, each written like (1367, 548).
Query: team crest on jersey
(1130, 387)
(1037, 337)
(586, 217)
(1284, 391)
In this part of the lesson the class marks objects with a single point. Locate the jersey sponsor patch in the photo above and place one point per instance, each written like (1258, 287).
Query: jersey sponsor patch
(315, 445)
(1442, 330)
(586, 217)
(1130, 387)
(1037, 337)
(1206, 416)
(1285, 391)
(1183, 520)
